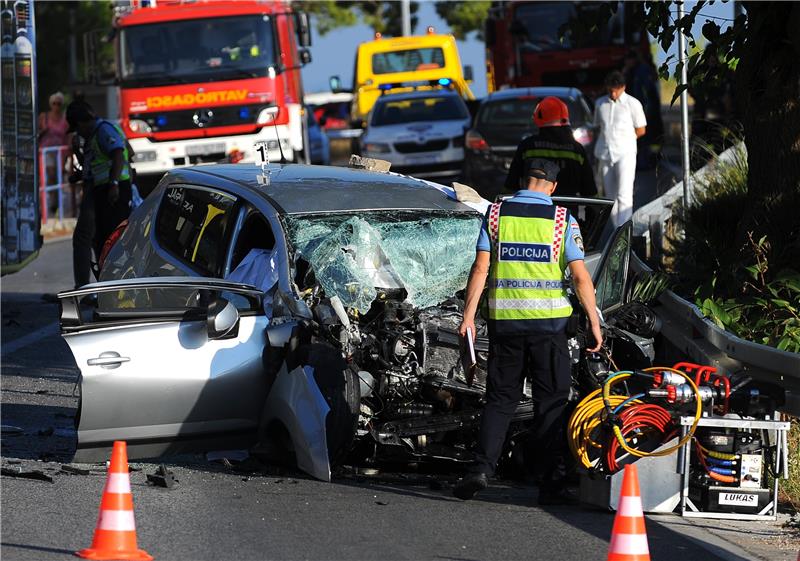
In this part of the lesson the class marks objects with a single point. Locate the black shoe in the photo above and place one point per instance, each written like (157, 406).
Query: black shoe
(470, 485)
(551, 497)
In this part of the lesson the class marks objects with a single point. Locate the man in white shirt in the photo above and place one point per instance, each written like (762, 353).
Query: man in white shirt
(620, 120)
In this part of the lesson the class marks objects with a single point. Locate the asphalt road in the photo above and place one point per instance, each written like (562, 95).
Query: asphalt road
(215, 512)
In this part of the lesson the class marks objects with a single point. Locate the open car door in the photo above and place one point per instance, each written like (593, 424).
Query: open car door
(167, 364)
(612, 273)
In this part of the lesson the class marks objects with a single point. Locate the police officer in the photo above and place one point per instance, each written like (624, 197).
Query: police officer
(525, 245)
(106, 185)
(554, 141)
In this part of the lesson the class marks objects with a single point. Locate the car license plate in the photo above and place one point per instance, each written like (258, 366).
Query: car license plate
(425, 159)
(205, 149)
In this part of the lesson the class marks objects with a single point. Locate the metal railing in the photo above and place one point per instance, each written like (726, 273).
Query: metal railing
(56, 155)
(700, 340)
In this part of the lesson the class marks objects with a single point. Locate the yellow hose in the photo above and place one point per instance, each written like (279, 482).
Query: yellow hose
(586, 421)
(682, 441)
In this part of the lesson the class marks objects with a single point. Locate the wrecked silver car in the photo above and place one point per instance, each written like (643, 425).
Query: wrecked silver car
(311, 309)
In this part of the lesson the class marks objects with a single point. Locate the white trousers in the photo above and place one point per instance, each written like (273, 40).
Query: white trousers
(618, 178)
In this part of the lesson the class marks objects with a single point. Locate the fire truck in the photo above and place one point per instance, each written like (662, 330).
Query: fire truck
(203, 81)
(524, 46)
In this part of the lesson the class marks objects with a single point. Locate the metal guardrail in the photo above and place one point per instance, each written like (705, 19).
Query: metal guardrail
(702, 341)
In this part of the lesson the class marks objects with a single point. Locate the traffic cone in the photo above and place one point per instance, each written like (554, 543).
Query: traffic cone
(115, 534)
(628, 537)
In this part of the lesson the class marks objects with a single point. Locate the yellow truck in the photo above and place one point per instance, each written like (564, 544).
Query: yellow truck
(404, 63)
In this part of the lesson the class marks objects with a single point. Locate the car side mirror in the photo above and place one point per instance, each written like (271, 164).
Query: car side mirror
(468, 75)
(222, 319)
(335, 84)
(305, 56)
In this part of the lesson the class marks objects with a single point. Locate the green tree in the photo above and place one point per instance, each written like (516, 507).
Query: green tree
(464, 17)
(382, 17)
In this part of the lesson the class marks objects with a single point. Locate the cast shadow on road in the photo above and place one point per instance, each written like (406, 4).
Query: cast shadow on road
(37, 548)
(664, 543)
(45, 432)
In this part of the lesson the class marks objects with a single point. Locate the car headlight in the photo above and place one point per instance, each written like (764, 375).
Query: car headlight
(267, 115)
(145, 156)
(476, 142)
(139, 126)
(376, 147)
(583, 135)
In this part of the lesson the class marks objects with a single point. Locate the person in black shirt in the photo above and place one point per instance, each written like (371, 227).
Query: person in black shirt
(554, 142)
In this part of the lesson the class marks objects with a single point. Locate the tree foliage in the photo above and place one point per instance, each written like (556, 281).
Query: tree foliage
(382, 17)
(464, 17)
(55, 23)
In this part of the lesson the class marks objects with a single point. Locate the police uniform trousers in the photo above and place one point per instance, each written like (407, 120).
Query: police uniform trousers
(544, 359)
(97, 219)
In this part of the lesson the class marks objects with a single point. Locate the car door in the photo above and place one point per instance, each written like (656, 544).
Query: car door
(155, 372)
(611, 276)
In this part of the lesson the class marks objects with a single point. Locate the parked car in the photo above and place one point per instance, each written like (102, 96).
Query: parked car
(312, 305)
(421, 133)
(320, 146)
(504, 119)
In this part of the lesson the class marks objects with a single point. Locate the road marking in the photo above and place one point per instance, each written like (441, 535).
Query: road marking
(29, 339)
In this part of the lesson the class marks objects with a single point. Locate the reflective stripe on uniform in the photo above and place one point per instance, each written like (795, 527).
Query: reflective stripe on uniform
(552, 154)
(547, 284)
(529, 303)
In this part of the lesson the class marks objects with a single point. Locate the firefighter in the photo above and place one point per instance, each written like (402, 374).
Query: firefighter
(554, 141)
(525, 245)
(106, 184)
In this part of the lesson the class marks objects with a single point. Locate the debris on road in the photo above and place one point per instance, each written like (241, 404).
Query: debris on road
(72, 470)
(162, 478)
(234, 455)
(19, 473)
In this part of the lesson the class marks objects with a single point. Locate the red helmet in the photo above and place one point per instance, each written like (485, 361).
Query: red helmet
(551, 112)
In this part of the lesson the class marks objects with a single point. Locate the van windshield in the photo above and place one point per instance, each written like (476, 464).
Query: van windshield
(196, 50)
(407, 60)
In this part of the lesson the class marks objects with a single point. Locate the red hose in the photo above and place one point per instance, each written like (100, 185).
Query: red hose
(641, 418)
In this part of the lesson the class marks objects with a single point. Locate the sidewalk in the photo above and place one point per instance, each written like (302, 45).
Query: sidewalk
(56, 230)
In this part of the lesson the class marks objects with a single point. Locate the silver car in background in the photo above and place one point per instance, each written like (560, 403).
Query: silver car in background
(421, 133)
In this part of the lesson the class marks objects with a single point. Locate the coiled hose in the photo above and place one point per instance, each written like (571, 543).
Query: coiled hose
(586, 422)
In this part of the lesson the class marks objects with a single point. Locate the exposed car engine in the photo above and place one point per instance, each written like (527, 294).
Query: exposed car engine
(416, 402)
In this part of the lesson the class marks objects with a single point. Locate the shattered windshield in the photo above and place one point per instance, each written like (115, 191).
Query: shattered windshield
(429, 255)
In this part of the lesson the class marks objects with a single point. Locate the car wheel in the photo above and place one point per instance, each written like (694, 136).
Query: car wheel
(340, 388)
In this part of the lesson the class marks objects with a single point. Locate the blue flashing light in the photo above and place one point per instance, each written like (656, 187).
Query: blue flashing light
(244, 113)
(444, 81)
(385, 87)
(161, 120)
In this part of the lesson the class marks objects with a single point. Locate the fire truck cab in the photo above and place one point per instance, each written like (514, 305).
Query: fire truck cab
(202, 81)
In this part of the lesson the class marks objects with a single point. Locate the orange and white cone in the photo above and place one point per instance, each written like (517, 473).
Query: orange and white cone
(115, 534)
(628, 537)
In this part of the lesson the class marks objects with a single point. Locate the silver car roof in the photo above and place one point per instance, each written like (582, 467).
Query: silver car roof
(304, 189)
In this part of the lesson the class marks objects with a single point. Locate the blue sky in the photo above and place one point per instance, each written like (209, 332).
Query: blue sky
(334, 53)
